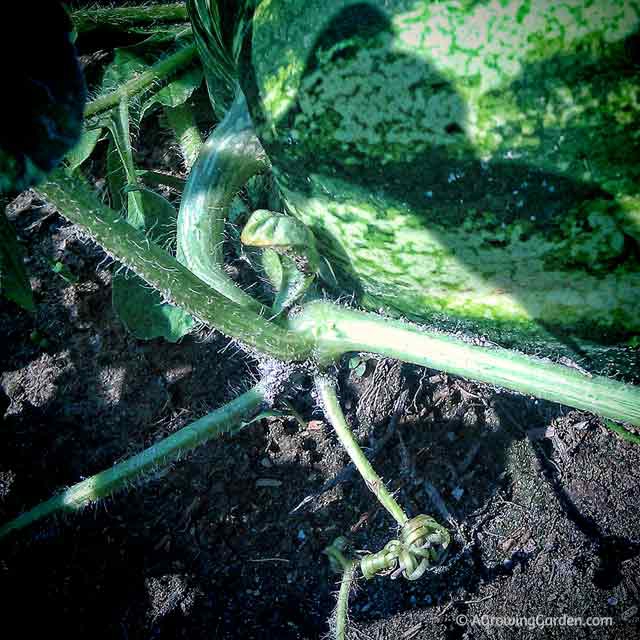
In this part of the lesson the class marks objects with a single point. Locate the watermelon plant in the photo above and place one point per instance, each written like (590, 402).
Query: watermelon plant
(462, 169)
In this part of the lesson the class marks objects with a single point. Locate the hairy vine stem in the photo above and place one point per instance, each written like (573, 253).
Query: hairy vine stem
(325, 331)
(342, 604)
(321, 332)
(231, 155)
(158, 72)
(326, 388)
(123, 18)
(348, 567)
(226, 419)
(76, 201)
(338, 330)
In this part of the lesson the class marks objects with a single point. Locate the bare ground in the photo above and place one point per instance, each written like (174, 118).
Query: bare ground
(545, 498)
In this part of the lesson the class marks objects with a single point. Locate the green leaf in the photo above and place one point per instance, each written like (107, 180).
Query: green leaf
(183, 122)
(84, 148)
(272, 268)
(155, 178)
(63, 271)
(125, 65)
(284, 234)
(358, 366)
(290, 259)
(294, 285)
(143, 313)
(116, 177)
(158, 214)
(177, 92)
(289, 283)
(14, 282)
(140, 308)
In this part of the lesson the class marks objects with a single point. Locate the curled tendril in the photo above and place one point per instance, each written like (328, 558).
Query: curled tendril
(383, 562)
(423, 542)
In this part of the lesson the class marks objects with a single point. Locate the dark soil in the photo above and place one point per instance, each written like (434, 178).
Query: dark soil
(212, 547)
(228, 542)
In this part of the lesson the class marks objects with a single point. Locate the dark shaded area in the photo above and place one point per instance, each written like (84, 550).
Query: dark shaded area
(612, 551)
(43, 119)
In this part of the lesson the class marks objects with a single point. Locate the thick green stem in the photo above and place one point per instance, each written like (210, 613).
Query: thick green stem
(122, 18)
(325, 331)
(339, 330)
(76, 201)
(157, 73)
(226, 419)
(331, 406)
(230, 156)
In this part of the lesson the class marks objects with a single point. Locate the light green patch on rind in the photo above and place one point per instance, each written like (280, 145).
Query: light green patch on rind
(526, 277)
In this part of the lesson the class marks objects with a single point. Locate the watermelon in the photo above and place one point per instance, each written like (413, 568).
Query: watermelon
(469, 164)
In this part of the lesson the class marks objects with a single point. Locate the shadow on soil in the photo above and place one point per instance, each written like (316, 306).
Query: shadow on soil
(210, 548)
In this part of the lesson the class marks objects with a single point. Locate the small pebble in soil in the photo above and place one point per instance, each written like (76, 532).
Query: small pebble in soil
(268, 483)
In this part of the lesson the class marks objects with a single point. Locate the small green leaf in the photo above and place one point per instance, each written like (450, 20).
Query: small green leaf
(293, 286)
(272, 268)
(143, 313)
(124, 66)
(116, 176)
(14, 282)
(84, 148)
(177, 92)
(157, 214)
(284, 234)
(183, 122)
(62, 270)
(155, 178)
(289, 283)
(139, 307)
(290, 258)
